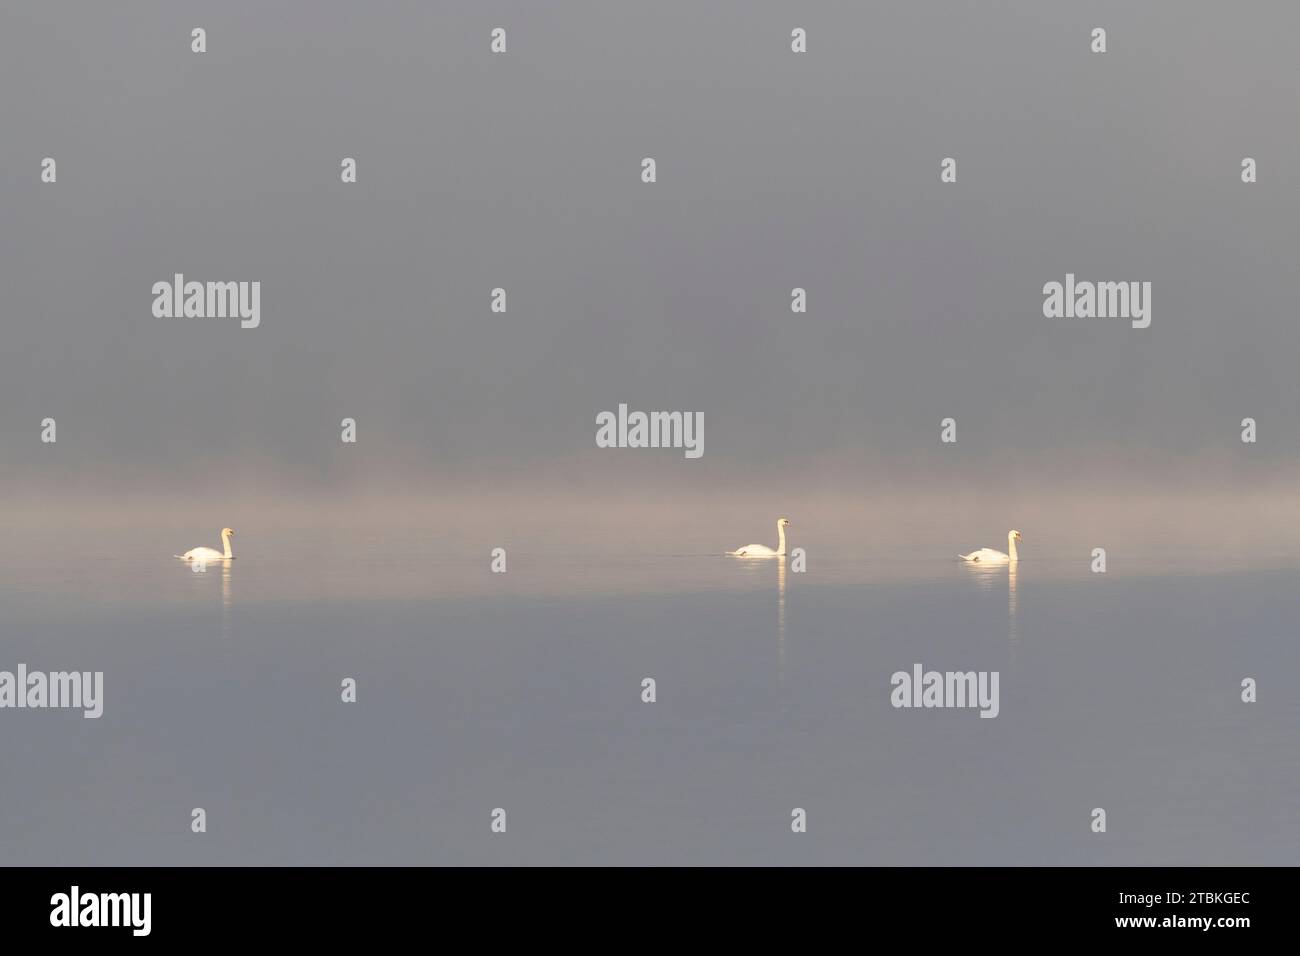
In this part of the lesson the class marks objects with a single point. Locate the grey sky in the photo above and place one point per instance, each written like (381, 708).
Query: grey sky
(522, 171)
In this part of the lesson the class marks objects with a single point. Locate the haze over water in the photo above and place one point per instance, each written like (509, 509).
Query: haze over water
(522, 690)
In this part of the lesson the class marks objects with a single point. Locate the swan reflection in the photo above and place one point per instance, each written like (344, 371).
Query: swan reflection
(989, 577)
(202, 566)
(1013, 606)
(225, 598)
(780, 620)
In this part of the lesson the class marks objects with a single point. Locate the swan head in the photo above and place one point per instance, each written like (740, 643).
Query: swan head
(227, 531)
(783, 522)
(1015, 536)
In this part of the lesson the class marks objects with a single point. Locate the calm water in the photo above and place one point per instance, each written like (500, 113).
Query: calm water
(522, 691)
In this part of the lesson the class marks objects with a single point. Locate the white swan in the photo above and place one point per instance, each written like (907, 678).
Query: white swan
(210, 554)
(989, 556)
(762, 550)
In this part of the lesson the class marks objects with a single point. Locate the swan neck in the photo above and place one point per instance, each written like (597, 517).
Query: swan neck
(1011, 548)
(780, 538)
(225, 543)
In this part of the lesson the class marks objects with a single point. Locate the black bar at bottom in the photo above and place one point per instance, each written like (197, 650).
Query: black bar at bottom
(364, 904)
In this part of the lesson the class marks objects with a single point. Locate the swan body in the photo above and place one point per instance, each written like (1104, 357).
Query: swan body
(989, 556)
(210, 554)
(203, 554)
(762, 550)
